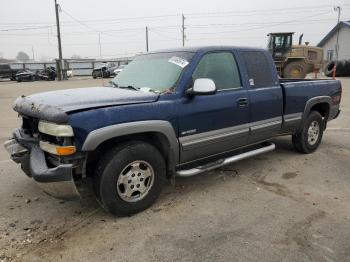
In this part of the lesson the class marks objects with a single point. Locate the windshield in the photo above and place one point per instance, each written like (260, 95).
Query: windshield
(157, 72)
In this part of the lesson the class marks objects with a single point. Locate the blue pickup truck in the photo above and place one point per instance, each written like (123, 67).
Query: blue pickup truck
(170, 113)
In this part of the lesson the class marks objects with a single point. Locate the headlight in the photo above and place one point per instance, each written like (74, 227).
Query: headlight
(57, 150)
(55, 129)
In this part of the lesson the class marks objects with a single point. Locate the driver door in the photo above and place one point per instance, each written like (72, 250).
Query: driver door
(214, 124)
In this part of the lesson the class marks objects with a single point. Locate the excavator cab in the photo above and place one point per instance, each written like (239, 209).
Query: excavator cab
(280, 44)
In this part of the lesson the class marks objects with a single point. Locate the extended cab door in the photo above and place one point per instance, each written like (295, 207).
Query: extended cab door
(214, 124)
(265, 95)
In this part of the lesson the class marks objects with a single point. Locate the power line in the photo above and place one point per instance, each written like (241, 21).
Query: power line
(157, 17)
(162, 34)
(244, 12)
(164, 29)
(264, 26)
(25, 28)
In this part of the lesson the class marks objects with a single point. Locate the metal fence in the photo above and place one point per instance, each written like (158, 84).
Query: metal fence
(81, 67)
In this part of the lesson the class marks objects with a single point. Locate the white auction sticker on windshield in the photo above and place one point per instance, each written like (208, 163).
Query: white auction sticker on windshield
(178, 61)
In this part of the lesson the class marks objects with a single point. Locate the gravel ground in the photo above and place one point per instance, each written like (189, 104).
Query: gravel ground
(281, 206)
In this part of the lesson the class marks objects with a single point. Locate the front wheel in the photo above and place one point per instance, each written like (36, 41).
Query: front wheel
(129, 178)
(310, 137)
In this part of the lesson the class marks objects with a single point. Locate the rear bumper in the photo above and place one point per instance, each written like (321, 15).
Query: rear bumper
(57, 181)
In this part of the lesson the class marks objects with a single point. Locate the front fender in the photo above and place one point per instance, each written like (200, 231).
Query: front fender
(98, 136)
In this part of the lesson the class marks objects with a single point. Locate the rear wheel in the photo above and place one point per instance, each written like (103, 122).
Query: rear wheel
(129, 178)
(295, 69)
(310, 137)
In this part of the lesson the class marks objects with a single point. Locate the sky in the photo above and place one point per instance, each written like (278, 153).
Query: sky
(118, 27)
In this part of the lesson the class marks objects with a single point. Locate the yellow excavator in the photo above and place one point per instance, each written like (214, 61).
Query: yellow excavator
(294, 61)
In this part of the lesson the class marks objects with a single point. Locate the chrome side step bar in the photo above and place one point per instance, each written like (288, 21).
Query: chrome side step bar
(200, 169)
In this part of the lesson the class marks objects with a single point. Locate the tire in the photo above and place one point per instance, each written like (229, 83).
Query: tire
(329, 69)
(310, 137)
(340, 68)
(19, 79)
(347, 68)
(295, 69)
(94, 76)
(343, 68)
(118, 189)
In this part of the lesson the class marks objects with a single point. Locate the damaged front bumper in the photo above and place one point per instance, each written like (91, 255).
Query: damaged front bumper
(56, 181)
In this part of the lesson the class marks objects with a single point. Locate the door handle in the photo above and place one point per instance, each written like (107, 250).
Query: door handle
(242, 102)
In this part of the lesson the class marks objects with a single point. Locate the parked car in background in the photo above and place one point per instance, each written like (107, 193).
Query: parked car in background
(119, 69)
(48, 74)
(104, 70)
(178, 112)
(69, 73)
(6, 71)
(26, 75)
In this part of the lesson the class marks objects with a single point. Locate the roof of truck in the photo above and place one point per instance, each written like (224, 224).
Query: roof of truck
(207, 48)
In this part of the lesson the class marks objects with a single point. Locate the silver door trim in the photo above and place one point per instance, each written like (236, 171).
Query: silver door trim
(202, 139)
(219, 135)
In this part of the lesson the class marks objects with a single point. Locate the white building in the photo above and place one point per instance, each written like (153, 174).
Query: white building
(328, 43)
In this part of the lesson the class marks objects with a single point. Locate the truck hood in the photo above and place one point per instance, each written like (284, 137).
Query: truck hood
(55, 105)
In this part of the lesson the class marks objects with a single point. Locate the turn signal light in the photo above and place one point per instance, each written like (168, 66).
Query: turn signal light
(65, 150)
(56, 149)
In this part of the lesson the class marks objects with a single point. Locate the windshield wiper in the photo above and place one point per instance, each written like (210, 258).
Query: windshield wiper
(129, 87)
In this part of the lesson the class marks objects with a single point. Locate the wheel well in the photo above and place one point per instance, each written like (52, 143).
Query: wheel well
(322, 108)
(154, 138)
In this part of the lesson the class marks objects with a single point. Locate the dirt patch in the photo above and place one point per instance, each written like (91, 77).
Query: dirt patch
(273, 187)
(289, 175)
(300, 234)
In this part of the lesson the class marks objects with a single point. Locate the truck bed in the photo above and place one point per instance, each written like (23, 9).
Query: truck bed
(298, 91)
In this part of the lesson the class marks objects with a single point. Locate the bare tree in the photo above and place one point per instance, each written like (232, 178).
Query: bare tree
(76, 57)
(22, 56)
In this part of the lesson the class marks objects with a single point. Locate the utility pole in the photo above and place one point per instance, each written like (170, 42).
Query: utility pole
(60, 74)
(147, 39)
(338, 9)
(33, 53)
(99, 44)
(183, 30)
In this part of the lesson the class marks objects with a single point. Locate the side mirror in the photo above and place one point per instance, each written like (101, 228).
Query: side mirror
(202, 86)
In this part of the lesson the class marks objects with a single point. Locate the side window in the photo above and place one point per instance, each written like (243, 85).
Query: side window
(221, 68)
(259, 69)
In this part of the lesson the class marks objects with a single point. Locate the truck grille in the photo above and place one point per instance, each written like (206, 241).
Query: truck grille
(30, 126)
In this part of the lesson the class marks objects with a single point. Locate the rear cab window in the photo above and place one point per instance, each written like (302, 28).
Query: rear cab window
(259, 69)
